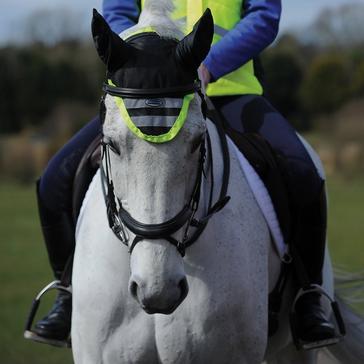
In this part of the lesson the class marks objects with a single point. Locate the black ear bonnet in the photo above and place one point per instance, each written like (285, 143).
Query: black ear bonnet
(153, 64)
(148, 60)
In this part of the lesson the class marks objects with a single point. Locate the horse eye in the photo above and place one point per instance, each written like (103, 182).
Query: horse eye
(196, 143)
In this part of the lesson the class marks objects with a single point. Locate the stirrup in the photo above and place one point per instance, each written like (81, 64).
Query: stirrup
(340, 326)
(31, 335)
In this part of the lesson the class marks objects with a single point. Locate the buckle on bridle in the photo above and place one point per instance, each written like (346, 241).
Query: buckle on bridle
(116, 225)
(181, 248)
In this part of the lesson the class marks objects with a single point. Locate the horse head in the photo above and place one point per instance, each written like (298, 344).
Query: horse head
(154, 135)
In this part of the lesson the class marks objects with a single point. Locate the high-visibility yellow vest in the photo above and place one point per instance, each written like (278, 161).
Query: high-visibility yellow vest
(226, 14)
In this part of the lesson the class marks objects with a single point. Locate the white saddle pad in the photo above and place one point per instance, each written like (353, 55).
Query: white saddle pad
(264, 201)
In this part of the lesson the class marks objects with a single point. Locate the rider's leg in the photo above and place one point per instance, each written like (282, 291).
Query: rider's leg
(311, 237)
(254, 114)
(54, 191)
(58, 234)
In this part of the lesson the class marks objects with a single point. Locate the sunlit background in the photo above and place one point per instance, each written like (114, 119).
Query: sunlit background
(50, 80)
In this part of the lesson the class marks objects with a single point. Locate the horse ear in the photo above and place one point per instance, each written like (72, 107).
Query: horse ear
(112, 50)
(194, 47)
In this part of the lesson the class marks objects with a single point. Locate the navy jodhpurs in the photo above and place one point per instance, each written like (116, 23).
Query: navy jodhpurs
(247, 113)
(56, 183)
(254, 114)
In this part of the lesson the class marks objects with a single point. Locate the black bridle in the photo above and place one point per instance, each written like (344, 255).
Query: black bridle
(119, 219)
(176, 91)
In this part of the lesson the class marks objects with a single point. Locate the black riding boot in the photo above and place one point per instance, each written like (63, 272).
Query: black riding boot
(312, 324)
(59, 237)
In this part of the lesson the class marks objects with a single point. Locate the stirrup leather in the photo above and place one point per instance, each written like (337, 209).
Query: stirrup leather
(29, 333)
(340, 326)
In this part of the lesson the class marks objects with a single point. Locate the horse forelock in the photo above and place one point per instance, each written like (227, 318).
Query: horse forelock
(156, 14)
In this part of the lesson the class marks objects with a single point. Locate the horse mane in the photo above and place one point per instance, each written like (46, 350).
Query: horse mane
(157, 15)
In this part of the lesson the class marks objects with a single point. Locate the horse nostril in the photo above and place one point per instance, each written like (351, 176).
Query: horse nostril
(133, 289)
(183, 285)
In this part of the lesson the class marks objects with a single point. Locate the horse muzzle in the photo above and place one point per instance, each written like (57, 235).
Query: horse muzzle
(162, 299)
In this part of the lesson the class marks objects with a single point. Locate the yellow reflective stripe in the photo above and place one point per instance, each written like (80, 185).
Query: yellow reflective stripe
(163, 138)
(140, 31)
(239, 82)
(226, 13)
(194, 12)
(180, 10)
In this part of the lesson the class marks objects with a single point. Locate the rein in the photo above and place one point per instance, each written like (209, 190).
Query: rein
(120, 220)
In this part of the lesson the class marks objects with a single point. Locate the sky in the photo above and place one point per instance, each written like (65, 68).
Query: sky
(295, 14)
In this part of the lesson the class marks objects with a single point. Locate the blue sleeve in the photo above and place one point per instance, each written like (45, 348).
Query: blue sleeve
(256, 30)
(120, 14)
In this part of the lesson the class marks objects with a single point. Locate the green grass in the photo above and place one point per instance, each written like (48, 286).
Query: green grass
(24, 267)
(23, 272)
(346, 222)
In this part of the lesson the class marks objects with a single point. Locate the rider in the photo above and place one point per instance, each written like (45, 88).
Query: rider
(243, 29)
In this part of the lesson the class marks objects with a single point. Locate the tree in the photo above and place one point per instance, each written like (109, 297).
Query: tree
(283, 77)
(358, 82)
(37, 79)
(49, 27)
(327, 84)
(10, 120)
(340, 27)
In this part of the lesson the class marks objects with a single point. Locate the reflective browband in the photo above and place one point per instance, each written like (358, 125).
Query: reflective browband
(176, 91)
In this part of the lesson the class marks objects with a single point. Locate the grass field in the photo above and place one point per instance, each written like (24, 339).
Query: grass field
(23, 271)
(24, 268)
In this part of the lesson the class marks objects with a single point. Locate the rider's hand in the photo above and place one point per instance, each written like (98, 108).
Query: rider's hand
(204, 74)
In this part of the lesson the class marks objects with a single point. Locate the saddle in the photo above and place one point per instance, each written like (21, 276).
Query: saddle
(270, 167)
